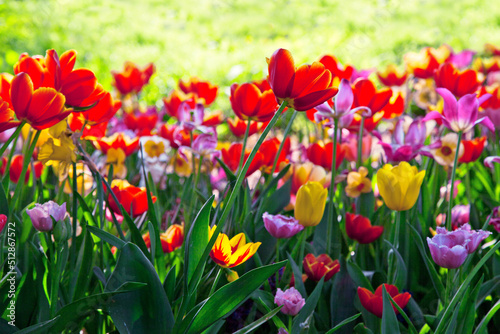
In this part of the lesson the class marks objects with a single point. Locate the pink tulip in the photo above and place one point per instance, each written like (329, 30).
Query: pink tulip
(3, 221)
(280, 226)
(291, 300)
(42, 215)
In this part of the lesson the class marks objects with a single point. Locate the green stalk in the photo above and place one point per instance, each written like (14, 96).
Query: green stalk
(245, 138)
(360, 141)
(282, 144)
(216, 282)
(331, 206)
(20, 182)
(452, 185)
(400, 219)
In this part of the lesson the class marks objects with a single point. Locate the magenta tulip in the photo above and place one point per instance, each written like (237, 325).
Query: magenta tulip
(280, 226)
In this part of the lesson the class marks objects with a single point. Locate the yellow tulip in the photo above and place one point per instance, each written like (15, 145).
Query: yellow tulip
(399, 186)
(310, 203)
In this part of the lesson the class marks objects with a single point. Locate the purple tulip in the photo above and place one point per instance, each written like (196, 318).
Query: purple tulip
(495, 219)
(462, 59)
(450, 249)
(459, 216)
(42, 214)
(190, 118)
(291, 300)
(280, 226)
(282, 331)
(461, 115)
(488, 162)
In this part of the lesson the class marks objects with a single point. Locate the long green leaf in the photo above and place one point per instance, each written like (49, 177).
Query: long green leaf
(343, 323)
(482, 328)
(226, 299)
(256, 324)
(389, 321)
(108, 237)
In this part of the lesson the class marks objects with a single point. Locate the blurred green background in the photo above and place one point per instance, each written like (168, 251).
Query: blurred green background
(227, 41)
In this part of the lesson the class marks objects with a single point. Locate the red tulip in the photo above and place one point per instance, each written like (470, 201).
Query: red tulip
(239, 127)
(472, 149)
(182, 136)
(360, 229)
(338, 71)
(395, 107)
(101, 112)
(458, 82)
(231, 158)
(367, 95)
(201, 89)
(373, 302)
(304, 87)
(249, 102)
(321, 266)
(170, 240)
(132, 79)
(117, 140)
(141, 122)
(391, 76)
(321, 154)
(133, 199)
(16, 166)
(174, 100)
(269, 149)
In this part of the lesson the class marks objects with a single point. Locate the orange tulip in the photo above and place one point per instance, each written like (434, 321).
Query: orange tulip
(141, 122)
(239, 127)
(170, 240)
(321, 154)
(472, 149)
(304, 87)
(203, 90)
(174, 100)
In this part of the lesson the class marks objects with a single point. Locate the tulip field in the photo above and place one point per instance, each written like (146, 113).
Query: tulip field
(318, 198)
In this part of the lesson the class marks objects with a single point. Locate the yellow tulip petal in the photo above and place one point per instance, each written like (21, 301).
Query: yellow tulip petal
(413, 191)
(389, 188)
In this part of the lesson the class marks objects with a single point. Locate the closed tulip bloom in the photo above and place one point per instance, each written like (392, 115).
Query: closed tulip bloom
(304, 87)
(321, 266)
(472, 149)
(238, 127)
(42, 215)
(133, 199)
(205, 91)
(373, 302)
(231, 158)
(358, 183)
(290, 299)
(250, 103)
(280, 226)
(170, 240)
(399, 186)
(450, 249)
(310, 203)
(303, 173)
(360, 229)
(3, 222)
(231, 253)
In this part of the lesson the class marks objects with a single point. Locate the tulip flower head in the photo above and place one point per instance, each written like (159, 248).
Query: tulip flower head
(310, 203)
(304, 87)
(250, 103)
(360, 229)
(461, 115)
(373, 302)
(231, 253)
(358, 183)
(170, 240)
(399, 186)
(133, 199)
(450, 249)
(43, 215)
(280, 226)
(495, 219)
(291, 300)
(3, 222)
(445, 153)
(321, 266)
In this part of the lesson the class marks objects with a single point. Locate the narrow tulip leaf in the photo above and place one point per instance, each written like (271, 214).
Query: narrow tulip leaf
(486, 289)
(272, 185)
(389, 321)
(226, 299)
(136, 236)
(229, 173)
(357, 276)
(256, 324)
(436, 281)
(279, 199)
(452, 328)
(467, 309)
(343, 323)
(482, 328)
(463, 287)
(146, 310)
(42, 327)
(343, 288)
(169, 284)
(4, 206)
(108, 237)
(306, 312)
(86, 210)
(403, 314)
(362, 329)
(400, 274)
(297, 275)
(156, 252)
(152, 238)
(196, 241)
(83, 267)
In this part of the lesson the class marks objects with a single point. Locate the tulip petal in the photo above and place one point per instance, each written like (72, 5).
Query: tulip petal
(389, 189)
(281, 71)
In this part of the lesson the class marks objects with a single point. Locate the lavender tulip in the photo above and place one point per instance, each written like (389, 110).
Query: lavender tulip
(495, 219)
(291, 300)
(42, 214)
(280, 226)
(450, 249)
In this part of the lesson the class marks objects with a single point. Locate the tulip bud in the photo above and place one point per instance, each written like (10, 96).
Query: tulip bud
(43, 216)
(310, 203)
(232, 276)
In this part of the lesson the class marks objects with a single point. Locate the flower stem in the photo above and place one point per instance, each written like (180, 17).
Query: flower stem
(245, 138)
(216, 282)
(282, 144)
(331, 206)
(400, 219)
(11, 138)
(452, 184)
(360, 141)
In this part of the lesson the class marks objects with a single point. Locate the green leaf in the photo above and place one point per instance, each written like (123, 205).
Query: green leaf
(343, 323)
(196, 241)
(136, 236)
(256, 324)
(4, 206)
(308, 309)
(362, 329)
(400, 274)
(279, 199)
(42, 327)
(482, 328)
(486, 289)
(297, 275)
(436, 281)
(144, 311)
(389, 321)
(229, 173)
(357, 275)
(452, 328)
(108, 237)
(403, 314)
(343, 290)
(169, 284)
(83, 267)
(226, 299)
(467, 309)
